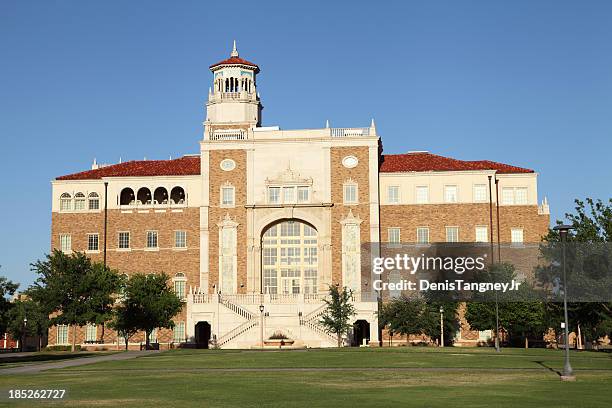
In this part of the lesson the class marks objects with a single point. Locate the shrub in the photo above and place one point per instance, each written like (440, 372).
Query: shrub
(61, 348)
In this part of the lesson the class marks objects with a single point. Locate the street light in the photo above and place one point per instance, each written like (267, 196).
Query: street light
(567, 369)
(441, 326)
(261, 329)
(25, 325)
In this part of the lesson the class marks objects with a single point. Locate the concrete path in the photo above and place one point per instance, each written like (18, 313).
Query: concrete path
(43, 366)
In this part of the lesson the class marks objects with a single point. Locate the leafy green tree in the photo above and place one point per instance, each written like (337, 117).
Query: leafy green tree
(520, 314)
(73, 289)
(37, 320)
(417, 316)
(7, 289)
(124, 322)
(337, 315)
(103, 284)
(148, 303)
(589, 262)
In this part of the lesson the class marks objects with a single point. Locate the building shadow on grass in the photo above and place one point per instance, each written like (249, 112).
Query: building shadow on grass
(39, 358)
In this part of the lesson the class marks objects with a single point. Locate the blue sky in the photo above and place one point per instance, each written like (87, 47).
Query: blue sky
(523, 82)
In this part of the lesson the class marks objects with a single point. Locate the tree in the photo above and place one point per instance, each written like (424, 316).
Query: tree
(419, 316)
(519, 313)
(148, 303)
(589, 262)
(338, 312)
(37, 320)
(124, 322)
(103, 284)
(7, 289)
(73, 289)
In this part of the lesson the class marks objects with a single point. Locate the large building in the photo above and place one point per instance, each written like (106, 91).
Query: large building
(264, 216)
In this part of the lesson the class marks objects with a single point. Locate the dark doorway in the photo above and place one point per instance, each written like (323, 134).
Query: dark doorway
(202, 334)
(361, 331)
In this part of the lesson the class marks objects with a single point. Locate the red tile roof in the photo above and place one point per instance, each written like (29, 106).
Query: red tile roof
(424, 161)
(184, 166)
(235, 61)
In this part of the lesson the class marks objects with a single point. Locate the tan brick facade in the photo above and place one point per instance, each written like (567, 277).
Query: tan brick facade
(237, 179)
(465, 216)
(340, 175)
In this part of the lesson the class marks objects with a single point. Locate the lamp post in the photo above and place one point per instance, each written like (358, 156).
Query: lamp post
(441, 326)
(261, 328)
(567, 368)
(25, 325)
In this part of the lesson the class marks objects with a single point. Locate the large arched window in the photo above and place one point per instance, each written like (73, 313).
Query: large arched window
(144, 196)
(177, 195)
(65, 202)
(160, 195)
(289, 258)
(127, 196)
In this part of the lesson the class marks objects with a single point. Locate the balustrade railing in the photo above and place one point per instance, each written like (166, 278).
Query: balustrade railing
(349, 132)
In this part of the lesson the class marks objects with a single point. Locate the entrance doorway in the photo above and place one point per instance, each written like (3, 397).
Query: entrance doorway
(361, 332)
(202, 334)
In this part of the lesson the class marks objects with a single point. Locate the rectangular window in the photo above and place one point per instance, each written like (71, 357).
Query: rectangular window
(422, 194)
(179, 288)
(124, 240)
(274, 195)
(62, 334)
(303, 194)
(66, 243)
(79, 203)
(394, 235)
(350, 193)
(482, 234)
(288, 194)
(94, 202)
(520, 195)
(227, 196)
(452, 234)
(179, 332)
(480, 193)
(152, 239)
(90, 333)
(516, 236)
(65, 204)
(423, 235)
(507, 196)
(393, 194)
(450, 194)
(270, 281)
(180, 239)
(310, 281)
(93, 243)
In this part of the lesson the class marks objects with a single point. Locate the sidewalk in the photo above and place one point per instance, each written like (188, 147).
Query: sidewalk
(35, 368)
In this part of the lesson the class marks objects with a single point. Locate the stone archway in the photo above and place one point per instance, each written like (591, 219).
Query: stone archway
(202, 334)
(361, 332)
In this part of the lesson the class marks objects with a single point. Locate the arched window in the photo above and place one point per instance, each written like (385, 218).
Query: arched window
(127, 196)
(289, 258)
(65, 202)
(177, 195)
(94, 201)
(144, 196)
(180, 283)
(160, 196)
(79, 201)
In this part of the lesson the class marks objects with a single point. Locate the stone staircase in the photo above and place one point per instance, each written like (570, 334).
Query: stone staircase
(311, 321)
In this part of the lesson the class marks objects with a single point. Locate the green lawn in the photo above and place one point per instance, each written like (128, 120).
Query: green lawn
(324, 378)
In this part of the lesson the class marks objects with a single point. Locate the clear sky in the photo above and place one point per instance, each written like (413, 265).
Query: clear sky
(523, 82)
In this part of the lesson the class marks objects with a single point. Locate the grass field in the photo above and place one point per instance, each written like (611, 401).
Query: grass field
(420, 377)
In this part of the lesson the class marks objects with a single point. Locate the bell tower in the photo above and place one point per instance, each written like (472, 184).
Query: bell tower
(233, 102)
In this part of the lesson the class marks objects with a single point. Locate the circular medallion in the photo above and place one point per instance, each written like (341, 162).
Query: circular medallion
(228, 165)
(349, 162)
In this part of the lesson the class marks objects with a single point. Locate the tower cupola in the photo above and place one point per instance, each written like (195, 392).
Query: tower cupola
(233, 101)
